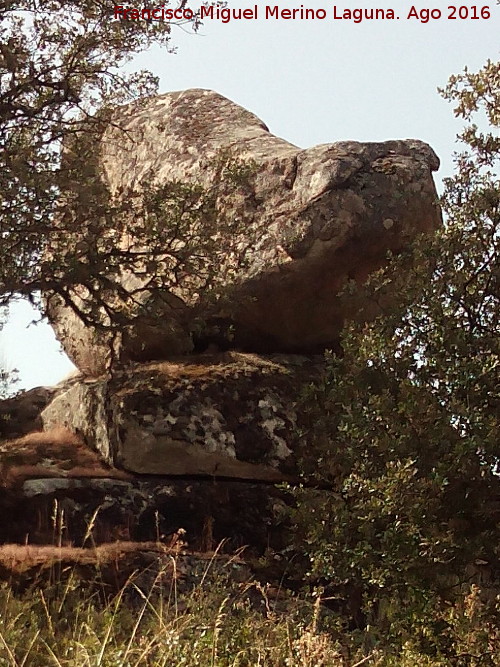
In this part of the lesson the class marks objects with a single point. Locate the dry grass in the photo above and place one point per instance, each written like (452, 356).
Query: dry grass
(217, 622)
(208, 366)
(58, 436)
(17, 558)
(51, 454)
(214, 624)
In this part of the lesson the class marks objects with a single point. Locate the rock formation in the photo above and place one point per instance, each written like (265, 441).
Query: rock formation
(21, 414)
(60, 491)
(197, 445)
(172, 439)
(231, 415)
(313, 219)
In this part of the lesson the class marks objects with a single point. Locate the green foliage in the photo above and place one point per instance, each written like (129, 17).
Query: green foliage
(61, 77)
(61, 63)
(8, 377)
(219, 623)
(406, 425)
(174, 240)
(8, 381)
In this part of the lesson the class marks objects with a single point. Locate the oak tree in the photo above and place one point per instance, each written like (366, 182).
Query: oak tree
(406, 426)
(62, 77)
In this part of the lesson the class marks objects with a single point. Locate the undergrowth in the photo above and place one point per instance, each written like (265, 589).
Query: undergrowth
(218, 623)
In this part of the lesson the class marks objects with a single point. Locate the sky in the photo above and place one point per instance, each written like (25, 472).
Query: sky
(311, 81)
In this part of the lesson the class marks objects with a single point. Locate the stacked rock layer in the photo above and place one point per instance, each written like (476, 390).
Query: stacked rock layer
(170, 438)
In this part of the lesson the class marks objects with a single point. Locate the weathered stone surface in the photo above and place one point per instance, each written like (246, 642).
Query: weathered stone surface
(320, 217)
(82, 408)
(194, 445)
(229, 415)
(21, 413)
(197, 443)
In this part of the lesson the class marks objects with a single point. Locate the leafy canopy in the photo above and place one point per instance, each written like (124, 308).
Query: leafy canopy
(61, 69)
(62, 234)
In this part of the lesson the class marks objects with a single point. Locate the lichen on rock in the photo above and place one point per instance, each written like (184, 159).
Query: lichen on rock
(230, 415)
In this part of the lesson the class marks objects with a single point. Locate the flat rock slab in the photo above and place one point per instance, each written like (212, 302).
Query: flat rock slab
(230, 415)
(314, 219)
(196, 444)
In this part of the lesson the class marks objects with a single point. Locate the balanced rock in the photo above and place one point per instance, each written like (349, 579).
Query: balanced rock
(314, 219)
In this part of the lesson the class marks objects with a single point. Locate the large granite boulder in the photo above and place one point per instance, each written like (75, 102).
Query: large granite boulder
(314, 219)
(176, 441)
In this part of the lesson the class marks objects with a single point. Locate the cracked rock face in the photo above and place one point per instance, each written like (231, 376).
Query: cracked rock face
(316, 219)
